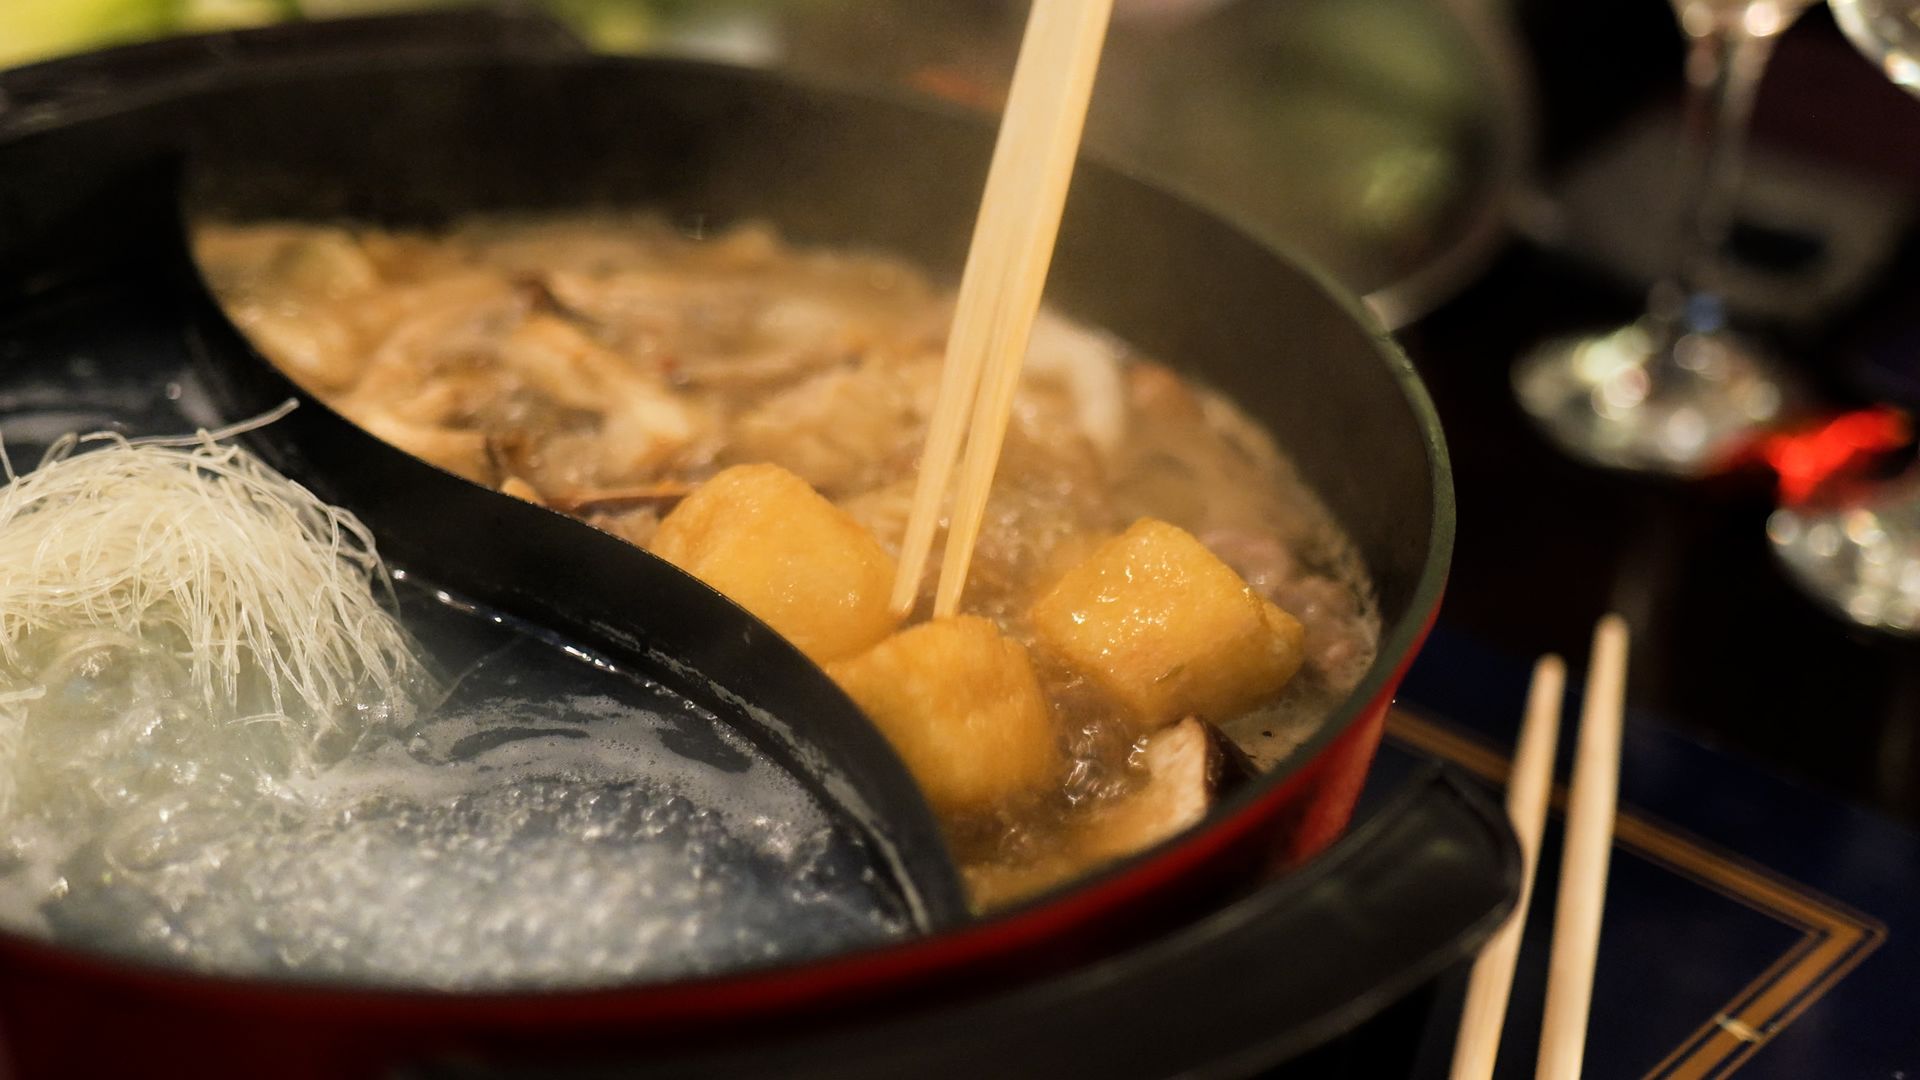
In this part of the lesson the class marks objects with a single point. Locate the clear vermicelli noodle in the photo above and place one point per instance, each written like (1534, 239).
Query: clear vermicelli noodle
(265, 602)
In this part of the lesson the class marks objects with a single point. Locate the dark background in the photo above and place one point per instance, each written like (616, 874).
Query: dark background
(1726, 649)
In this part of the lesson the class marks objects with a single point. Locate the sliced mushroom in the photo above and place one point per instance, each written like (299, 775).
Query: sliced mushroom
(319, 351)
(520, 489)
(1190, 765)
(659, 496)
(843, 430)
(1087, 363)
(635, 524)
(461, 452)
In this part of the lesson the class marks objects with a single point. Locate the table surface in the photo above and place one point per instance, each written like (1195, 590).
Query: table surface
(1752, 924)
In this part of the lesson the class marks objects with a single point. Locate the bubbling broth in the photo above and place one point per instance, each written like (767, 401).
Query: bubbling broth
(547, 823)
(221, 746)
(1155, 598)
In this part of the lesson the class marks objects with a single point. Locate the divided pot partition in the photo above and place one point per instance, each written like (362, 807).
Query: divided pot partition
(96, 282)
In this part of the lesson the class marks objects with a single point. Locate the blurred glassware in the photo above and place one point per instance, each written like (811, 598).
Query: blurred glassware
(1677, 391)
(1888, 32)
(1861, 554)
(1862, 557)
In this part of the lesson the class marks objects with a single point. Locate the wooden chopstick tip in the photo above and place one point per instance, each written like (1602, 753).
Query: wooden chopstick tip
(1549, 678)
(1612, 633)
(1606, 691)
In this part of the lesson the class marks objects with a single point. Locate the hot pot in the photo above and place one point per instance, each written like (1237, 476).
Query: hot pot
(103, 158)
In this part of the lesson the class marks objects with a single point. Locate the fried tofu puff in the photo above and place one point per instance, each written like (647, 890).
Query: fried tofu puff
(961, 704)
(774, 546)
(1165, 629)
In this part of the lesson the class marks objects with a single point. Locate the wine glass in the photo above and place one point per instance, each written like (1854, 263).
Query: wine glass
(1677, 391)
(1862, 555)
(1888, 32)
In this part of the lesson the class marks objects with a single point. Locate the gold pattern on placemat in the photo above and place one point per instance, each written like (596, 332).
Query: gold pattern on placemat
(1834, 938)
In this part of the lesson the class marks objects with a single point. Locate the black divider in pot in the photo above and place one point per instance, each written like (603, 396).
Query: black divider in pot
(105, 323)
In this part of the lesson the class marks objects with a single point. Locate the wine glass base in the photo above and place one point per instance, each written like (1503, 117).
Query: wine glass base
(1622, 400)
(1863, 558)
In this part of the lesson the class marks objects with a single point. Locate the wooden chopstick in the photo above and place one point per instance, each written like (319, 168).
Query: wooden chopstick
(1583, 867)
(1583, 863)
(1528, 789)
(1000, 288)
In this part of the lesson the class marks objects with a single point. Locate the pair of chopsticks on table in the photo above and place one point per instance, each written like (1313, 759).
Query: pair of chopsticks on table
(1591, 802)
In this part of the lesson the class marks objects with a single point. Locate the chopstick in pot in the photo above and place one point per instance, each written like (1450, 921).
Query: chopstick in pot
(1000, 288)
(1528, 789)
(1591, 803)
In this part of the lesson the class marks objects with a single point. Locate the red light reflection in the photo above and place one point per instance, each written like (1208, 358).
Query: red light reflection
(1808, 459)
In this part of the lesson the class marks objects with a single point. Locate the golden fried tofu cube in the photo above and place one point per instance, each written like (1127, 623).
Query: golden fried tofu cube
(773, 545)
(1166, 629)
(962, 706)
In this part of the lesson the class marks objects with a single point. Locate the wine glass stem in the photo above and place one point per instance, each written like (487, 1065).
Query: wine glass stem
(1724, 65)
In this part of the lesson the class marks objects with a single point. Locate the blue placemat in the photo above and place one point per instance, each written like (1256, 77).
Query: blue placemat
(1752, 926)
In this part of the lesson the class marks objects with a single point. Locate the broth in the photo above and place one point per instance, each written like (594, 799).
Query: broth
(608, 365)
(548, 821)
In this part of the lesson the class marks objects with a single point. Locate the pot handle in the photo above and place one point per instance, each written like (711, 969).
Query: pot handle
(1403, 898)
(50, 92)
